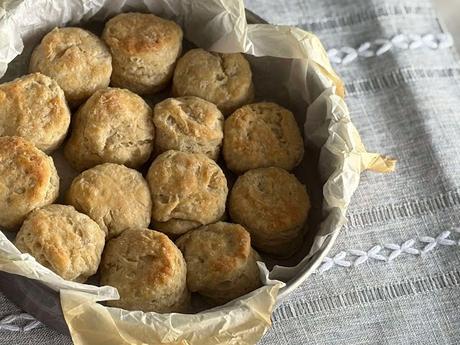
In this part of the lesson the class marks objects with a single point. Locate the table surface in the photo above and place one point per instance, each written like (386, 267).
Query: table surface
(393, 277)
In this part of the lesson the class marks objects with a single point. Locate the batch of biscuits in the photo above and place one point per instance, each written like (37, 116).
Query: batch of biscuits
(178, 230)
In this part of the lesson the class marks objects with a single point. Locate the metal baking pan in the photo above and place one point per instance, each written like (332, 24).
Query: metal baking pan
(44, 304)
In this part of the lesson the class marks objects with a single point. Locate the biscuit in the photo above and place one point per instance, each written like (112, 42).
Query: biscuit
(114, 196)
(113, 126)
(188, 124)
(222, 79)
(28, 180)
(273, 206)
(261, 135)
(148, 271)
(221, 264)
(144, 49)
(188, 190)
(66, 241)
(34, 107)
(77, 59)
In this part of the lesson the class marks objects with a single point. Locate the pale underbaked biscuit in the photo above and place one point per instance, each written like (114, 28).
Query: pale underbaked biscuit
(113, 126)
(221, 264)
(34, 107)
(66, 241)
(188, 190)
(223, 79)
(77, 59)
(188, 124)
(148, 270)
(261, 135)
(144, 49)
(28, 180)
(116, 197)
(273, 206)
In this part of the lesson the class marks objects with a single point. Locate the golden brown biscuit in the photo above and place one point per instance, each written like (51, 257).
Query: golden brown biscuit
(34, 107)
(144, 49)
(66, 241)
(221, 264)
(148, 270)
(261, 135)
(188, 190)
(273, 206)
(77, 59)
(116, 197)
(28, 180)
(188, 124)
(223, 79)
(113, 126)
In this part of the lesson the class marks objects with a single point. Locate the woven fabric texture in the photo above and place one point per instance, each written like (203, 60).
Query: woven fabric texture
(393, 276)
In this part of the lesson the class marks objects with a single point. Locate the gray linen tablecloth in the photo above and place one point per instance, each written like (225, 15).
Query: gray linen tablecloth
(393, 277)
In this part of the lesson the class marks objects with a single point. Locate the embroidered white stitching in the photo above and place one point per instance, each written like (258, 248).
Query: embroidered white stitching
(10, 323)
(372, 253)
(397, 250)
(338, 260)
(433, 242)
(429, 243)
(380, 46)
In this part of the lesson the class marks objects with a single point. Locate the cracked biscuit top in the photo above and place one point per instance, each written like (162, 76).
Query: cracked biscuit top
(273, 207)
(222, 79)
(262, 135)
(148, 271)
(113, 126)
(221, 264)
(34, 107)
(188, 124)
(144, 49)
(77, 59)
(188, 190)
(66, 241)
(28, 179)
(114, 196)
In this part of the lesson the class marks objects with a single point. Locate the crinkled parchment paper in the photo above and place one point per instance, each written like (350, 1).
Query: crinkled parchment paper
(292, 68)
